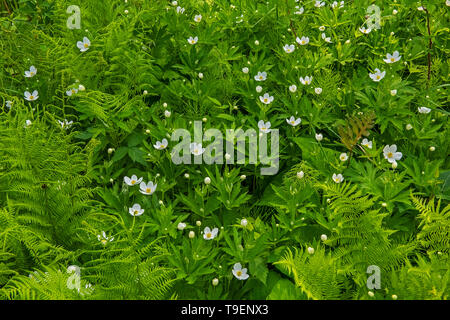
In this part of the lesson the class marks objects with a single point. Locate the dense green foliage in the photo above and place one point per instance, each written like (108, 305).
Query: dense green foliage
(301, 233)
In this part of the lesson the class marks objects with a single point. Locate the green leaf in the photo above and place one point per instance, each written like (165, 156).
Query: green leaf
(137, 155)
(119, 154)
(258, 269)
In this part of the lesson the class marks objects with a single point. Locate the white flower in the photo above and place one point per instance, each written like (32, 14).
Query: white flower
(378, 75)
(72, 91)
(192, 40)
(8, 104)
(319, 136)
(394, 12)
(447, 2)
(364, 30)
(110, 150)
(300, 10)
(409, 126)
(208, 234)
(335, 4)
(148, 188)
(293, 122)
(306, 81)
(243, 177)
(65, 124)
(191, 234)
(240, 273)
(167, 113)
(323, 237)
(327, 39)
(207, 180)
(266, 98)
(302, 41)
(84, 46)
(420, 8)
(393, 92)
(257, 42)
(227, 156)
(198, 18)
(259, 89)
(31, 73)
(132, 181)
(181, 226)
(28, 123)
(338, 178)
(200, 75)
(261, 76)
(136, 210)
(432, 148)
(31, 96)
(300, 174)
(394, 165)
(81, 87)
(215, 282)
(310, 250)
(160, 145)
(104, 239)
(392, 58)
(391, 154)
(367, 143)
(343, 157)
(319, 3)
(318, 90)
(289, 48)
(180, 9)
(264, 127)
(322, 28)
(196, 148)
(370, 293)
(293, 88)
(245, 70)
(424, 109)
(244, 222)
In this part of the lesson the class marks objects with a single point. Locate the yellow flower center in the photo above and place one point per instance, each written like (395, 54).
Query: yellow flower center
(263, 128)
(208, 235)
(260, 77)
(292, 122)
(133, 181)
(31, 73)
(104, 241)
(148, 190)
(86, 45)
(390, 155)
(195, 150)
(265, 100)
(73, 90)
(239, 273)
(31, 97)
(378, 77)
(392, 59)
